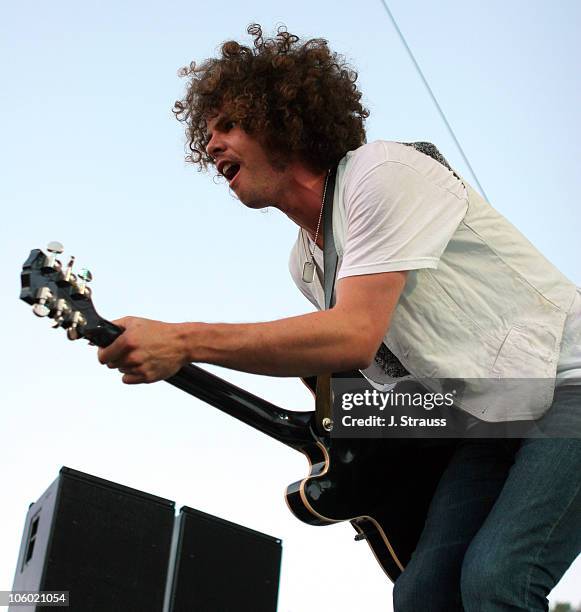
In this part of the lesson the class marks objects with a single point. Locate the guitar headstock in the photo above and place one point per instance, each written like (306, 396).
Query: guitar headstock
(56, 292)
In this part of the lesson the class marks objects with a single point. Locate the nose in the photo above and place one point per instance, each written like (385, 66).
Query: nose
(215, 145)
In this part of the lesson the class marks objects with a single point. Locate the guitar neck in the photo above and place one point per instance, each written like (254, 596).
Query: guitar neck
(289, 427)
(56, 292)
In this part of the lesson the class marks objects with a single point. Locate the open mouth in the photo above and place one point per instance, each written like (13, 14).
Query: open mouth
(230, 171)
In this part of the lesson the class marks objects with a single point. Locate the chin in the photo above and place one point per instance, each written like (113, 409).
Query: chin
(252, 202)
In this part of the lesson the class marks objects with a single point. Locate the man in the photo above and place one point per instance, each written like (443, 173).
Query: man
(430, 276)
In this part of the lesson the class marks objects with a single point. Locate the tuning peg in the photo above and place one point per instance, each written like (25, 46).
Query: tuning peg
(40, 310)
(78, 321)
(69, 277)
(44, 295)
(61, 310)
(55, 249)
(73, 333)
(84, 277)
(61, 313)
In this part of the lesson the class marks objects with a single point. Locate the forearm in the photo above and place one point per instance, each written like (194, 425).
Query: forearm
(343, 338)
(298, 346)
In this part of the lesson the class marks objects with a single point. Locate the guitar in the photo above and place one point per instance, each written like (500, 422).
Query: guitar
(382, 487)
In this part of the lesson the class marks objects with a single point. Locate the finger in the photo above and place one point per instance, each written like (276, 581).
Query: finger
(114, 352)
(129, 363)
(104, 355)
(131, 371)
(133, 379)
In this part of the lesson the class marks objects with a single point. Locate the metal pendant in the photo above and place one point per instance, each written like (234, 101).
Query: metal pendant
(308, 271)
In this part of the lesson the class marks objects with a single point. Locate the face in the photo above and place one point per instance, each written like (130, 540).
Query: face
(243, 161)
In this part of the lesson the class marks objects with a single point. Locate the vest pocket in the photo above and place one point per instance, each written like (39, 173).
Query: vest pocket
(525, 371)
(524, 353)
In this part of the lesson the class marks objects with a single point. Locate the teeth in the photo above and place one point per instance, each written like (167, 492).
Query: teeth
(228, 170)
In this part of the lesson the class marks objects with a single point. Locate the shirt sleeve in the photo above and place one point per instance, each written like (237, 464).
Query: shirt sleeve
(398, 218)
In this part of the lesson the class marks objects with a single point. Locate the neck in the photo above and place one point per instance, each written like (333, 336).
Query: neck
(301, 198)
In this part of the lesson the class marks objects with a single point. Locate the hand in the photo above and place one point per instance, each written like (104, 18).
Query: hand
(147, 351)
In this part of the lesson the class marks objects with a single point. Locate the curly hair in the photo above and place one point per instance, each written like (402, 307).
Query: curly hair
(298, 98)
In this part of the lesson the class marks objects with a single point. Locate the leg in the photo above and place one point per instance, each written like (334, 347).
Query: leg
(533, 533)
(465, 495)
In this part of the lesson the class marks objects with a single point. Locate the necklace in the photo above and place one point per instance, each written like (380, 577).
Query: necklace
(309, 266)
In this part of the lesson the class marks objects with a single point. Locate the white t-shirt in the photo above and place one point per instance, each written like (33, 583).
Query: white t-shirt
(391, 229)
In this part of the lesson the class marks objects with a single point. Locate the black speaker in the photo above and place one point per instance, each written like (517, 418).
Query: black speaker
(108, 545)
(116, 549)
(222, 567)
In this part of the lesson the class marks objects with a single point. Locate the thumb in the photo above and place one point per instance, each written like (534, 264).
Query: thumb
(123, 322)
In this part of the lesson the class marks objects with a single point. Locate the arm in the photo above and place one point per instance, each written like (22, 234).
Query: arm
(345, 337)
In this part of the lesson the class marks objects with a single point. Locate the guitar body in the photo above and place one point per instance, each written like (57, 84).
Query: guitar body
(383, 487)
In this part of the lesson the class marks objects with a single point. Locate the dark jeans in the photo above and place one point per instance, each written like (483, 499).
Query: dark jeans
(503, 526)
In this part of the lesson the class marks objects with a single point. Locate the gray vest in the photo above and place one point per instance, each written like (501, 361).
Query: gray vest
(491, 314)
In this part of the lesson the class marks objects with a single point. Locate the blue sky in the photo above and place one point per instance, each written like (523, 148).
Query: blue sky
(93, 157)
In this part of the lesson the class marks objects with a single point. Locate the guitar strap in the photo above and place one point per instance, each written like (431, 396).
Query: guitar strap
(323, 397)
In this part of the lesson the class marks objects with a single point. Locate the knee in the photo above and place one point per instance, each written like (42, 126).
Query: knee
(424, 591)
(475, 583)
(407, 594)
(488, 580)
